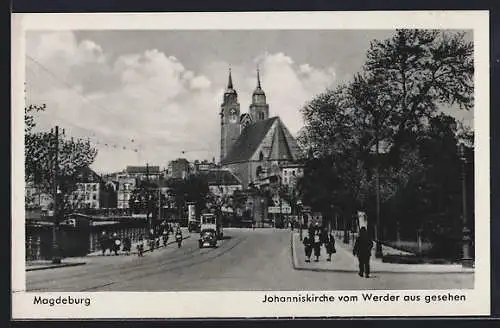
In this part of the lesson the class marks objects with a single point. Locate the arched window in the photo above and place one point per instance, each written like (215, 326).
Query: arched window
(261, 156)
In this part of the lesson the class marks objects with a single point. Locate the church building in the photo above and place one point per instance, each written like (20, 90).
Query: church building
(253, 145)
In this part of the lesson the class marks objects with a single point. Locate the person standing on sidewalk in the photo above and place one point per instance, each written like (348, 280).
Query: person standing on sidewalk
(330, 246)
(362, 249)
(104, 242)
(317, 241)
(140, 246)
(308, 247)
(178, 237)
(116, 243)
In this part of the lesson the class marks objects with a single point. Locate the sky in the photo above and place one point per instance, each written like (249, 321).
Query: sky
(154, 96)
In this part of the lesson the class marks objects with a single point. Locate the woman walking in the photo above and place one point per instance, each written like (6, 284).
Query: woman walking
(317, 241)
(362, 249)
(330, 246)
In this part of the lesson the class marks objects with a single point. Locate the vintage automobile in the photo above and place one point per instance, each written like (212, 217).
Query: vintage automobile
(208, 238)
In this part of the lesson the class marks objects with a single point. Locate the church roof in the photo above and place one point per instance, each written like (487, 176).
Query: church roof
(221, 178)
(250, 138)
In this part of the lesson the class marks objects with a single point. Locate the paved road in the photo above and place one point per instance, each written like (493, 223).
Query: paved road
(246, 260)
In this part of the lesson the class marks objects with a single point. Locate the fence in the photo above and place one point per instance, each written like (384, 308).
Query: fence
(76, 242)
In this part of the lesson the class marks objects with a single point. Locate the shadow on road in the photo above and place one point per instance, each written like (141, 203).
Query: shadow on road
(226, 237)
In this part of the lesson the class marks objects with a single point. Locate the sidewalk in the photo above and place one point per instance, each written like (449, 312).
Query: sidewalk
(47, 264)
(345, 261)
(76, 261)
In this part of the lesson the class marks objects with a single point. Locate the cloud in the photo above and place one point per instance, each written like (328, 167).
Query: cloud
(152, 98)
(200, 82)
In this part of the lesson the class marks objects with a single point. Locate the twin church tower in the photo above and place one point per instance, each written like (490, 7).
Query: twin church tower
(232, 122)
(253, 144)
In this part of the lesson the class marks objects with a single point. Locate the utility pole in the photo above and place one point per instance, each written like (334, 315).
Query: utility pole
(378, 247)
(56, 259)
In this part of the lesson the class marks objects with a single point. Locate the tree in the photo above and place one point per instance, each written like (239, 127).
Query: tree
(40, 149)
(336, 137)
(419, 70)
(394, 101)
(193, 189)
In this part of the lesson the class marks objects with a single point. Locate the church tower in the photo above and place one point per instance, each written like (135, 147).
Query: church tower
(229, 119)
(259, 109)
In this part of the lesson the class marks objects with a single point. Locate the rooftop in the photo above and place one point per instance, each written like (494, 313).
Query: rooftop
(221, 178)
(143, 169)
(249, 140)
(87, 175)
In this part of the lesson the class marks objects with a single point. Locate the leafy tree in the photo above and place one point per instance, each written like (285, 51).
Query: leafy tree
(416, 71)
(336, 135)
(40, 148)
(394, 103)
(193, 189)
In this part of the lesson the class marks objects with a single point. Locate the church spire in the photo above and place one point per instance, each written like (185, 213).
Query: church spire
(259, 109)
(230, 81)
(258, 90)
(230, 88)
(258, 78)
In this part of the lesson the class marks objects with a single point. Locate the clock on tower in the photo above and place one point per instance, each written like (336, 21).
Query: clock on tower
(233, 117)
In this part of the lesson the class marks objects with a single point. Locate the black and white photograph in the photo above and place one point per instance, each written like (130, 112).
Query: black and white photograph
(270, 160)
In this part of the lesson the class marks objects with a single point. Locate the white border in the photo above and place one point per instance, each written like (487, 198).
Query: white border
(193, 304)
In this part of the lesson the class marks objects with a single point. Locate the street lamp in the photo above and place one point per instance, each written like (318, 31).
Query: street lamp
(467, 260)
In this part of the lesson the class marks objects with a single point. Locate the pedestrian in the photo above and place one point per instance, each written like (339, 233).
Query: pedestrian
(307, 247)
(152, 240)
(362, 249)
(317, 244)
(116, 243)
(127, 245)
(178, 237)
(330, 246)
(311, 229)
(111, 243)
(103, 241)
(140, 247)
(165, 237)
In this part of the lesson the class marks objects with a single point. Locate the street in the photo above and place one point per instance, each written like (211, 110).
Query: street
(244, 260)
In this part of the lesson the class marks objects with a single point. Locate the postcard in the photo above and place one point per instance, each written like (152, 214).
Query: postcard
(239, 165)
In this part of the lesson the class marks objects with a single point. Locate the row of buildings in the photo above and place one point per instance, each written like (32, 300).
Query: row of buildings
(256, 151)
(94, 191)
